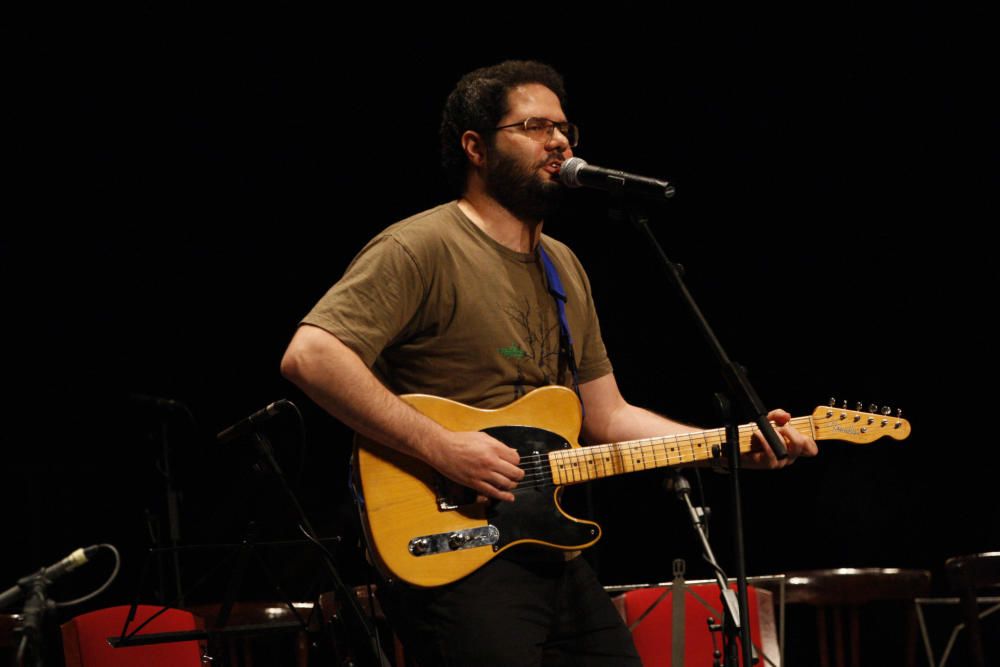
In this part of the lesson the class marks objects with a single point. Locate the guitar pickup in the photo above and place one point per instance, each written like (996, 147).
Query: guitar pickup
(450, 495)
(455, 540)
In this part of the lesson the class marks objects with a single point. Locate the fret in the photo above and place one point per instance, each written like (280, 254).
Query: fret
(574, 462)
(691, 446)
(660, 452)
(672, 450)
(587, 459)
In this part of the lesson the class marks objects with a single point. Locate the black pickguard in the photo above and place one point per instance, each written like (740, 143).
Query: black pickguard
(534, 514)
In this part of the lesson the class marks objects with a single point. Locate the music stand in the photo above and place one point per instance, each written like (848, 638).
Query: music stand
(239, 555)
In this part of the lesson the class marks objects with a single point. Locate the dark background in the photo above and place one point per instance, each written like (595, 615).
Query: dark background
(183, 195)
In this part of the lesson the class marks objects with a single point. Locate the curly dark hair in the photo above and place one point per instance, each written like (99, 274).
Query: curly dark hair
(479, 101)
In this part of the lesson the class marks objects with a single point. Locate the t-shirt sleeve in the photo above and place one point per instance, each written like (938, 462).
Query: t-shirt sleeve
(375, 300)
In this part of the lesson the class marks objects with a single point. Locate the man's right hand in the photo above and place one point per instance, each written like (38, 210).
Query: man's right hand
(480, 462)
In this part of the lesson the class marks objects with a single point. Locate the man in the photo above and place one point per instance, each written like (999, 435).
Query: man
(455, 302)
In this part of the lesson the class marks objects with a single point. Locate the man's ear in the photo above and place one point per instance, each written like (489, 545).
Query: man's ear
(474, 146)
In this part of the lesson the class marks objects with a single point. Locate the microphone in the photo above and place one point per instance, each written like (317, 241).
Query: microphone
(576, 173)
(249, 424)
(70, 562)
(50, 573)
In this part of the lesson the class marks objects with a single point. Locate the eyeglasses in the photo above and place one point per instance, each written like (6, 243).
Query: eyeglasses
(543, 129)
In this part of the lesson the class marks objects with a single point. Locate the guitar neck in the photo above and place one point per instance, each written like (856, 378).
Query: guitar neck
(583, 464)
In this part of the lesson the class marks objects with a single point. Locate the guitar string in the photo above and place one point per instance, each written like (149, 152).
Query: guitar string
(649, 460)
(685, 439)
(598, 466)
(640, 460)
(584, 474)
(680, 439)
(576, 469)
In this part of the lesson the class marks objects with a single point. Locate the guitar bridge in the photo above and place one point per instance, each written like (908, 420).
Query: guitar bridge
(456, 540)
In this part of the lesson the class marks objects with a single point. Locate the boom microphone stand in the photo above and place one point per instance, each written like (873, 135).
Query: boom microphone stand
(751, 406)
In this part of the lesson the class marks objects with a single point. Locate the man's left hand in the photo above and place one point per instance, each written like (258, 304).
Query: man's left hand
(761, 457)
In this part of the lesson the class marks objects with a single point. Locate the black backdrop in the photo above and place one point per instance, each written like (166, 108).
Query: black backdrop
(185, 194)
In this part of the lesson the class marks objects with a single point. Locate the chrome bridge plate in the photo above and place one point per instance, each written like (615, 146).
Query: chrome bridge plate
(455, 540)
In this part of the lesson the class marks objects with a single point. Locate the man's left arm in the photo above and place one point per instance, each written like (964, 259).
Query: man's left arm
(610, 418)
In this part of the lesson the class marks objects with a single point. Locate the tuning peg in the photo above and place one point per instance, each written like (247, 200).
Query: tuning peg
(859, 407)
(886, 410)
(833, 402)
(872, 407)
(844, 407)
(899, 413)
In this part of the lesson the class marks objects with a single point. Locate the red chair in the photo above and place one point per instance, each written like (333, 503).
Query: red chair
(85, 639)
(654, 629)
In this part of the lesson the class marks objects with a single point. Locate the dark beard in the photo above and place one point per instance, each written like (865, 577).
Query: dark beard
(520, 190)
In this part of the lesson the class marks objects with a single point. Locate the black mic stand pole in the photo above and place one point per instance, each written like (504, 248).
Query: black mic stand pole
(732, 373)
(733, 444)
(167, 409)
(739, 387)
(173, 512)
(264, 447)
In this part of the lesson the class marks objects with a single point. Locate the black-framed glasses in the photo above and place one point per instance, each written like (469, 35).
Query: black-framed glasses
(543, 129)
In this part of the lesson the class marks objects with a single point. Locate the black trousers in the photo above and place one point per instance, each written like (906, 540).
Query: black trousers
(512, 613)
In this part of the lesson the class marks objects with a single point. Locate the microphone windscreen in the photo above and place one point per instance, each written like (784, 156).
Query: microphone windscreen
(569, 172)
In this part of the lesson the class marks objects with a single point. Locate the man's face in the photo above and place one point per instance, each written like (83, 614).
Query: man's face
(522, 173)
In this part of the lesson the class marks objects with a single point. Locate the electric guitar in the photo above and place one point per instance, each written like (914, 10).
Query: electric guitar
(429, 531)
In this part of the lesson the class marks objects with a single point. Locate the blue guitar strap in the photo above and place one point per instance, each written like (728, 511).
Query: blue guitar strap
(565, 338)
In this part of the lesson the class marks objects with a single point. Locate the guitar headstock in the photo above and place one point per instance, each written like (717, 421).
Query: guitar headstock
(858, 426)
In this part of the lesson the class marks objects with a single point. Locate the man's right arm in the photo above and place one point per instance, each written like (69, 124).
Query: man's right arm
(337, 379)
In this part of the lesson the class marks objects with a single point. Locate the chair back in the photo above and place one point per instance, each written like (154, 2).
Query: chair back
(649, 611)
(839, 596)
(968, 576)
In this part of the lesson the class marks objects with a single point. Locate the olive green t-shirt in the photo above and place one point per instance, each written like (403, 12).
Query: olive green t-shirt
(434, 305)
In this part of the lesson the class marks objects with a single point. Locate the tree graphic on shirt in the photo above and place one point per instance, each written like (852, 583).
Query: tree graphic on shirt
(541, 340)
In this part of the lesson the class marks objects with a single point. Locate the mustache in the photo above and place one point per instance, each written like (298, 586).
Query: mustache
(556, 155)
